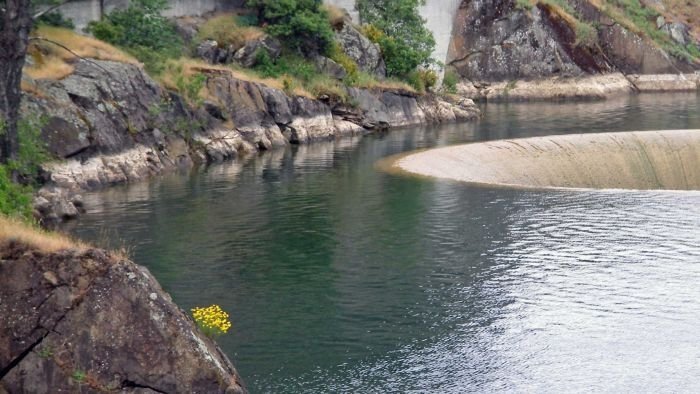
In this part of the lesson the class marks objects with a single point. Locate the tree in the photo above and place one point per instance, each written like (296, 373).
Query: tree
(16, 21)
(302, 24)
(15, 25)
(405, 41)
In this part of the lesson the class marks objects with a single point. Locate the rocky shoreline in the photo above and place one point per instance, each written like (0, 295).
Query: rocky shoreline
(78, 319)
(588, 87)
(110, 123)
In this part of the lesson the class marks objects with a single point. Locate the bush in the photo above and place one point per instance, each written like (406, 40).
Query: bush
(302, 24)
(449, 82)
(287, 64)
(142, 30)
(15, 199)
(405, 41)
(339, 56)
(55, 19)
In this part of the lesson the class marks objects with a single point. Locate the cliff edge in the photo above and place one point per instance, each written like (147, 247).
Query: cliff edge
(79, 319)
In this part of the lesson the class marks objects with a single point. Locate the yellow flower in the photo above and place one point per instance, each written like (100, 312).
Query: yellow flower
(212, 320)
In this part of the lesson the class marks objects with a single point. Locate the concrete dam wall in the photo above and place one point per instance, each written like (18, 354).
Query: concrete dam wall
(668, 160)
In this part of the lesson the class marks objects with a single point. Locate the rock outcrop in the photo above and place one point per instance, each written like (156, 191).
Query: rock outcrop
(497, 40)
(88, 321)
(110, 123)
(359, 48)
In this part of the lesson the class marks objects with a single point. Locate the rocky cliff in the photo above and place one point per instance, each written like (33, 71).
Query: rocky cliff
(83, 320)
(507, 40)
(110, 123)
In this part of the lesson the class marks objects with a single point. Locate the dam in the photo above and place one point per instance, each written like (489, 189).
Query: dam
(668, 160)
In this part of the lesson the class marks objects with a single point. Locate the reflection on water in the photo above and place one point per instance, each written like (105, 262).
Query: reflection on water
(343, 279)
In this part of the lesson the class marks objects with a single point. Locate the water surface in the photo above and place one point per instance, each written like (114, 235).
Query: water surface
(340, 278)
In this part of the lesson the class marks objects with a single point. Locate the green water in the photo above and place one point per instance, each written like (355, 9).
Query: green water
(340, 278)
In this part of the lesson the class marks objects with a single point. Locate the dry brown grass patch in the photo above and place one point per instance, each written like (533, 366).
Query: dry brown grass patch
(82, 45)
(15, 230)
(336, 15)
(54, 62)
(223, 29)
(49, 67)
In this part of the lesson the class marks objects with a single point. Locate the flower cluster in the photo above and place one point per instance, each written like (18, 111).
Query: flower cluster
(212, 320)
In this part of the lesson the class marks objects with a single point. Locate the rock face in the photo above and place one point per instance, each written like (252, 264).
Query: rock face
(360, 49)
(110, 123)
(88, 321)
(494, 40)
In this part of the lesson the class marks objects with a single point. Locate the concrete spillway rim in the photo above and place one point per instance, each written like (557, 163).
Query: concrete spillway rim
(393, 165)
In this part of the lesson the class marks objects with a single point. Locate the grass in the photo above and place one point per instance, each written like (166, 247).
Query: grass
(224, 29)
(20, 231)
(54, 63)
(336, 15)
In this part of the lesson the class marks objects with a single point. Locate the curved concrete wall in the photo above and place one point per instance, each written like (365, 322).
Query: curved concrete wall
(632, 160)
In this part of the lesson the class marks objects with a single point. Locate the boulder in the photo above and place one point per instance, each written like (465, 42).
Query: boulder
(84, 320)
(246, 56)
(359, 48)
(209, 51)
(330, 67)
(679, 32)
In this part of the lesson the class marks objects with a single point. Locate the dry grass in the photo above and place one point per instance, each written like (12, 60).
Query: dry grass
(687, 11)
(82, 45)
(15, 230)
(28, 87)
(49, 67)
(367, 81)
(336, 15)
(188, 67)
(54, 63)
(223, 29)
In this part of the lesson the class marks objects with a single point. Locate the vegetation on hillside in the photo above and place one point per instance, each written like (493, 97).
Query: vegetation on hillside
(303, 25)
(634, 15)
(398, 28)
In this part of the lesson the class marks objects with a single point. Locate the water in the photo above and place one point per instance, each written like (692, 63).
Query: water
(340, 278)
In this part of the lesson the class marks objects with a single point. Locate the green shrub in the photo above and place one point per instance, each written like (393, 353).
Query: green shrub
(287, 64)
(422, 80)
(586, 34)
(15, 199)
(449, 82)
(523, 4)
(339, 56)
(56, 19)
(405, 41)
(302, 24)
(190, 87)
(142, 30)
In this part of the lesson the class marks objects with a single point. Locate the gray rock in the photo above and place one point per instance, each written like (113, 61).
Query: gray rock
(90, 311)
(209, 51)
(330, 67)
(66, 210)
(679, 32)
(246, 56)
(360, 49)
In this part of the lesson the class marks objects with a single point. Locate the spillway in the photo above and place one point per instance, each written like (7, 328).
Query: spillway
(668, 160)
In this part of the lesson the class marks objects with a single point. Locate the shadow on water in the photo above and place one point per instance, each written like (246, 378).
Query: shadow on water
(342, 278)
